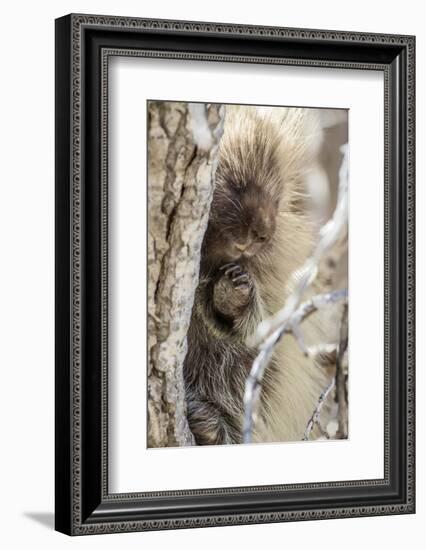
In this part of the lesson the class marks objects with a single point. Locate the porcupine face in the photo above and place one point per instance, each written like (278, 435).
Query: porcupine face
(248, 189)
(242, 224)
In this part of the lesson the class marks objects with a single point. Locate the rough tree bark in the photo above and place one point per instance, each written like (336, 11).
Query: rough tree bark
(182, 151)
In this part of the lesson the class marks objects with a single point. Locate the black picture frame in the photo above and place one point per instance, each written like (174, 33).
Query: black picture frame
(83, 44)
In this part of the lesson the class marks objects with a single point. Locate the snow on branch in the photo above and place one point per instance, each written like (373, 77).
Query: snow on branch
(289, 318)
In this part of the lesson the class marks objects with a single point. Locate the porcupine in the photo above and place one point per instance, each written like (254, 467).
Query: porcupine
(257, 237)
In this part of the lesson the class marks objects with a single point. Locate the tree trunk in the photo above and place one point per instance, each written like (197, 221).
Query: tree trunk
(182, 149)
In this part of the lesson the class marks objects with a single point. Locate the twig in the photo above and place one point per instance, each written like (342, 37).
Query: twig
(270, 331)
(316, 415)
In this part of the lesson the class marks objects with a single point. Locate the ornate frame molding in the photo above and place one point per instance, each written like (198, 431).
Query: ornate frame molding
(86, 507)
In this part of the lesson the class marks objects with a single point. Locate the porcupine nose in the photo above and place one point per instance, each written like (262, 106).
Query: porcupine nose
(241, 247)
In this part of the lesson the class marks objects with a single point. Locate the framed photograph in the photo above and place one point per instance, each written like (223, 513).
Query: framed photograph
(234, 274)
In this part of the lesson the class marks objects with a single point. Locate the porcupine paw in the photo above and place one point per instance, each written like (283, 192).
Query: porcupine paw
(233, 290)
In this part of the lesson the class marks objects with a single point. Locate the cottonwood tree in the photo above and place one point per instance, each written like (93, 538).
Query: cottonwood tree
(183, 140)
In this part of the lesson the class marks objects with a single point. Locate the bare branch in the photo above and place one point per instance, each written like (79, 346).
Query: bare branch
(254, 380)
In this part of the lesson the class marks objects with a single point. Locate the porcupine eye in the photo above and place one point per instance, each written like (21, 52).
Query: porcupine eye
(261, 238)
